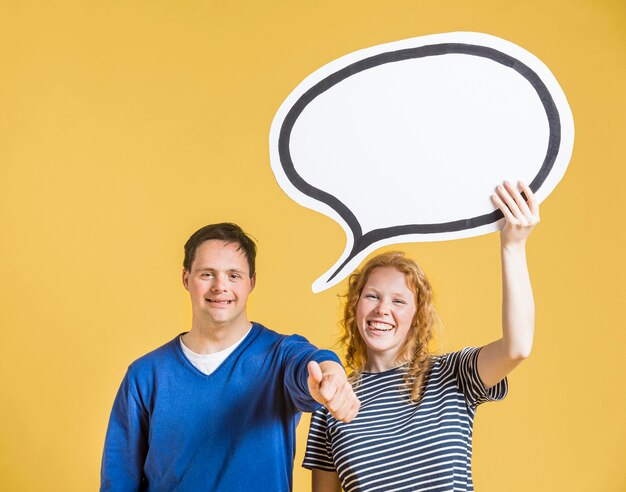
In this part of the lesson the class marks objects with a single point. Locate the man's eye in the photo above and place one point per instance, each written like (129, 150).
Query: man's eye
(235, 276)
(206, 275)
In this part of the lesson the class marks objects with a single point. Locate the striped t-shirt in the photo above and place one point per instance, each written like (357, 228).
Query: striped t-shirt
(396, 445)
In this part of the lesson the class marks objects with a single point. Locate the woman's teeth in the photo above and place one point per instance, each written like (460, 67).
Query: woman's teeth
(377, 326)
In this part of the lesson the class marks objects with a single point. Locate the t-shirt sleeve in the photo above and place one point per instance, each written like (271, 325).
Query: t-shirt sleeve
(298, 352)
(318, 451)
(465, 367)
(126, 442)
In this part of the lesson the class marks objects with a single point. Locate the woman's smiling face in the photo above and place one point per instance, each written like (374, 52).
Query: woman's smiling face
(384, 315)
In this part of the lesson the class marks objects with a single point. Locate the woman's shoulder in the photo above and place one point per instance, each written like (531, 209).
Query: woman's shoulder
(456, 354)
(455, 362)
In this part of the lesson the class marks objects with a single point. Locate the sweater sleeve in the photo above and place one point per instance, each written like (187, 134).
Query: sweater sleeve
(126, 442)
(298, 352)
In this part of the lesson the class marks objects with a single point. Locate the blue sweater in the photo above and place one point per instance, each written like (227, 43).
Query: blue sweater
(175, 428)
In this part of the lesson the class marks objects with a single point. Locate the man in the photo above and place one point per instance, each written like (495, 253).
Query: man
(216, 408)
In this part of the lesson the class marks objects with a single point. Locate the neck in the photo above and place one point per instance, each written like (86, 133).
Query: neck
(207, 338)
(381, 362)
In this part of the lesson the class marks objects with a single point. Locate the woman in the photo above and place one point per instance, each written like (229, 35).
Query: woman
(414, 428)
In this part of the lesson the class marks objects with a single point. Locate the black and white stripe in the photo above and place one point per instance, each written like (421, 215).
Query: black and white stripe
(397, 445)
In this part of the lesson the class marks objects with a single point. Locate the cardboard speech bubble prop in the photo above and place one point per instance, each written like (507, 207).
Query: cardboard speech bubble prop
(406, 141)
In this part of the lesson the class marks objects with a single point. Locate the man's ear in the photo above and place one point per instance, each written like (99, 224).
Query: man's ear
(253, 282)
(185, 279)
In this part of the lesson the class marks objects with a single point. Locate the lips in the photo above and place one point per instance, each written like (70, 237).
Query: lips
(379, 326)
(222, 302)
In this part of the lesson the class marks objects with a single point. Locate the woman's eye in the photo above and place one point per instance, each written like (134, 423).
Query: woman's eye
(399, 301)
(371, 296)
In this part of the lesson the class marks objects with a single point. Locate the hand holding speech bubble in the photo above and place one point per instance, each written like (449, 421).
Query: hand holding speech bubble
(405, 141)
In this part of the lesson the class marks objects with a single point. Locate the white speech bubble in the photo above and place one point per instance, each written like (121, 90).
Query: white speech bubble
(406, 141)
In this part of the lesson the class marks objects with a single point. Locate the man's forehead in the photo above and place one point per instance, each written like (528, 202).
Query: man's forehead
(220, 255)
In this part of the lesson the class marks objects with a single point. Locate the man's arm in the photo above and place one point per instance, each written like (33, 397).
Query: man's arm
(329, 386)
(126, 442)
(314, 376)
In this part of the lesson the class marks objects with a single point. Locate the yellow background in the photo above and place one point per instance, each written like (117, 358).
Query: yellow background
(126, 125)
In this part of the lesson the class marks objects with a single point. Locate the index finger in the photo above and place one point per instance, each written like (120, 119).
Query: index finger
(531, 199)
(328, 388)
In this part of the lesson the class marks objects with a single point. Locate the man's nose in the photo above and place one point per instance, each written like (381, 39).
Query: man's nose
(219, 284)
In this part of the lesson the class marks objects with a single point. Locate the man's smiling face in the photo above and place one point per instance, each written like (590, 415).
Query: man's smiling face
(219, 284)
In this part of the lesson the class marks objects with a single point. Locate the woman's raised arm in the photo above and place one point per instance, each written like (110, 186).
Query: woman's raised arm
(499, 358)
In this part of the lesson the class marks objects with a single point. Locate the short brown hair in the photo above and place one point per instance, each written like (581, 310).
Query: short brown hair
(224, 231)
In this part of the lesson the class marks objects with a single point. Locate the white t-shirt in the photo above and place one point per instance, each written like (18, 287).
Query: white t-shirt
(207, 363)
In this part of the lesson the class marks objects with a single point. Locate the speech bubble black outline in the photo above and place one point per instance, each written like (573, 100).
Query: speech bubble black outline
(362, 241)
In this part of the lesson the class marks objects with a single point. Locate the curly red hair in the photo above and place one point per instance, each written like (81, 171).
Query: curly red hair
(415, 350)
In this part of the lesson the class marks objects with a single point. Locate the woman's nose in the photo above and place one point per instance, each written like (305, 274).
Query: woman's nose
(382, 308)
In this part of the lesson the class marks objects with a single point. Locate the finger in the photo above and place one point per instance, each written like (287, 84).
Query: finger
(508, 216)
(352, 411)
(340, 413)
(531, 199)
(328, 388)
(340, 405)
(510, 203)
(519, 200)
(315, 372)
(341, 397)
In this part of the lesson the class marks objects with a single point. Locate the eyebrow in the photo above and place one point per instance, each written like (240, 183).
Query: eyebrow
(396, 294)
(229, 270)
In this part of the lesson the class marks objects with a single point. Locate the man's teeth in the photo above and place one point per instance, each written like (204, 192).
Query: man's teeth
(374, 325)
(219, 302)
